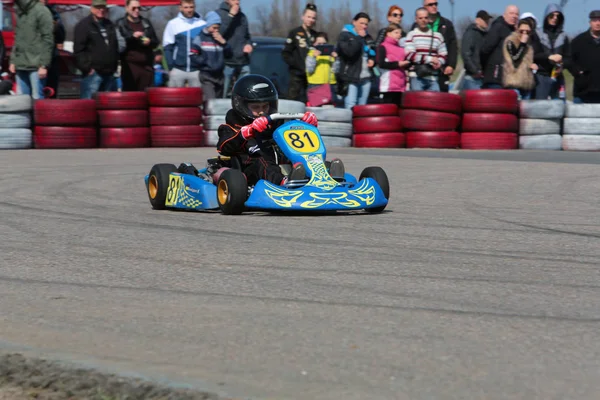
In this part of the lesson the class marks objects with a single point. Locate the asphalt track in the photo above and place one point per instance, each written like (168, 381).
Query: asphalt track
(481, 281)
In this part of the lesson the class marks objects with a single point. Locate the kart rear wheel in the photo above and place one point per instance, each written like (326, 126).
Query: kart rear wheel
(232, 192)
(379, 175)
(158, 184)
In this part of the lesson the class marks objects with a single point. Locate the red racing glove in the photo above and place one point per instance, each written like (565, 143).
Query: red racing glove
(260, 124)
(310, 118)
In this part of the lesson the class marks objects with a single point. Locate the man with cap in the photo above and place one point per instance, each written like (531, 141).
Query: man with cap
(209, 50)
(471, 44)
(96, 51)
(585, 63)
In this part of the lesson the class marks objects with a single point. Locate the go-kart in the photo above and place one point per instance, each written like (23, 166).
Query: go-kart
(222, 185)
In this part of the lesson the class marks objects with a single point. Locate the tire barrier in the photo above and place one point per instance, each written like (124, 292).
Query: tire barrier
(581, 142)
(15, 138)
(15, 122)
(214, 111)
(175, 117)
(581, 127)
(540, 118)
(433, 140)
(123, 119)
(331, 141)
(334, 123)
(65, 124)
(432, 101)
(381, 121)
(291, 107)
(212, 122)
(489, 121)
(330, 114)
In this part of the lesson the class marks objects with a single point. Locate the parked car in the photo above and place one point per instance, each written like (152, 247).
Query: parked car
(266, 60)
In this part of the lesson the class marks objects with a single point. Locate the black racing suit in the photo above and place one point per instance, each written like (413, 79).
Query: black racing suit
(257, 156)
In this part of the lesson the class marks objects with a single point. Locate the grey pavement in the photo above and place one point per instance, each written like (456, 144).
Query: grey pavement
(480, 281)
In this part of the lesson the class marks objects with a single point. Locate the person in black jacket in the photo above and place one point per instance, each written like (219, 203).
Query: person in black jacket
(96, 51)
(492, 58)
(137, 59)
(297, 45)
(59, 39)
(2, 51)
(472, 41)
(555, 46)
(444, 26)
(394, 16)
(585, 63)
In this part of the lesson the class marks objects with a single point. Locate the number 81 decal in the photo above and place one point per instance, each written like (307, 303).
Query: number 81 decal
(175, 185)
(302, 142)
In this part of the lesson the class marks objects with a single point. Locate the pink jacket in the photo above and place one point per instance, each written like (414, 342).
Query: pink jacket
(393, 78)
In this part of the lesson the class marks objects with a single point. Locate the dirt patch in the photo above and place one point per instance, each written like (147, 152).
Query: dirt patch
(29, 378)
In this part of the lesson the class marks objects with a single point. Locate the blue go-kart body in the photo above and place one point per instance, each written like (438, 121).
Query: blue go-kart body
(299, 142)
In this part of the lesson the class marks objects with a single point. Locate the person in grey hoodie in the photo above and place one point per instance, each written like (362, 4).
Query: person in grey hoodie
(235, 30)
(471, 43)
(555, 55)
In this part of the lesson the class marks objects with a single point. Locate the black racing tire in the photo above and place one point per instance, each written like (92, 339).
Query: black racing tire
(232, 192)
(379, 175)
(158, 184)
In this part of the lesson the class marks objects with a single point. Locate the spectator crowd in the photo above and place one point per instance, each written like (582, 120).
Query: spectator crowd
(513, 51)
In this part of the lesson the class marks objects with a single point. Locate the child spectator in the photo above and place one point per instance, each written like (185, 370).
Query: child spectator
(321, 67)
(391, 61)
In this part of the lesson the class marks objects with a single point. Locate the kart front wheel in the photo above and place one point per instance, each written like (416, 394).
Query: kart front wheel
(232, 192)
(158, 184)
(379, 175)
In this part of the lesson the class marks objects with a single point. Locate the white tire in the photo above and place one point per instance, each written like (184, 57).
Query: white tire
(212, 122)
(337, 129)
(581, 126)
(334, 141)
(582, 110)
(15, 120)
(15, 138)
(217, 106)
(211, 138)
(581, 142)
(542, 109)
(539, 126)
(291, 107)
(540, 142)
(15, 103)
(331, 114)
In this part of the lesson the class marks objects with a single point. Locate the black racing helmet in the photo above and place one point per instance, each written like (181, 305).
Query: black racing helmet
(252, 89)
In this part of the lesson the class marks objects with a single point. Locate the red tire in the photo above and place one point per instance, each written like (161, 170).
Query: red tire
(122, 118)
(175, 116)
(374, 110)
(489, 141)
(55, 112)
(176, 136)
(64, 137)
(175, 97)
(421, 120)
(125, 137)
(486, 122)
(377, 124)
(121, 101)
(433, 140)
(432, 101)
(383, 140)
(503, 101)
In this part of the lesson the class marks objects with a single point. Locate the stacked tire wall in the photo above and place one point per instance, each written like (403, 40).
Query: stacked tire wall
(15, 122)
(123, 119)
(65, 124)
(175, 117)
(431, 119)
(540, 124)
(335, 125)
(581, 127)
(377, 125)
(489, 120)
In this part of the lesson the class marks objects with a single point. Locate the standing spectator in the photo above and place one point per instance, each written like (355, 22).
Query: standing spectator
(32, 52)
(472, 41)
(235, 30)
(59, 40)
(209, 50)
(518, 60)
(321, 67)
(444, 26)
(585, 63)
(96, 51)
(394, 16)
(491, 51)
(2, 51)
(426, 50)
(295, 51)
(177, 42)
(356, 59)
(391, 61)
(137, 61)
(555, 53)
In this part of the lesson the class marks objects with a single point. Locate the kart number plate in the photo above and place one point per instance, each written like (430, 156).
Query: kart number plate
(302, 141)
(175, 186)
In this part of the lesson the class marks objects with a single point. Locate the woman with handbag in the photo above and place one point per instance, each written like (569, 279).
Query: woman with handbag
(518, 61)
(426, 50)
(391, 61)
